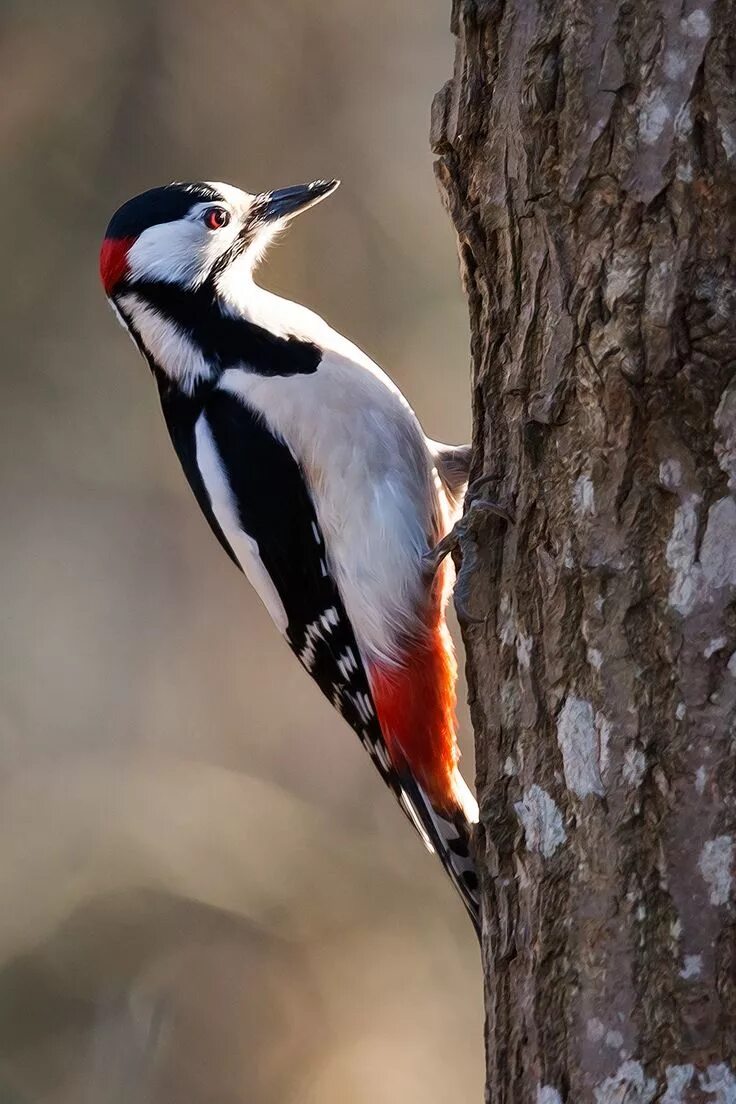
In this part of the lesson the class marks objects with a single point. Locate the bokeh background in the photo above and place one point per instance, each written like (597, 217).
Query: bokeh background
(207, 896)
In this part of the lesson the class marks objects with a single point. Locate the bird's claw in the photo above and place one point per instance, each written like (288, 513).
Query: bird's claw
(472, 498)
(457, 536)
(460, 537)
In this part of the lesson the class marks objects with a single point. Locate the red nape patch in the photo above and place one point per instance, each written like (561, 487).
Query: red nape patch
(416, 709)
(114, 261)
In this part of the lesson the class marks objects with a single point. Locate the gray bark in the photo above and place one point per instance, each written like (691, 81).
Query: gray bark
(587, 157)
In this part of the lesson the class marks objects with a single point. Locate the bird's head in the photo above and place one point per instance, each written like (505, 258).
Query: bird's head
(187, 234)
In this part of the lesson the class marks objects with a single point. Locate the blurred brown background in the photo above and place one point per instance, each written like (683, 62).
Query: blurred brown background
(207, 895)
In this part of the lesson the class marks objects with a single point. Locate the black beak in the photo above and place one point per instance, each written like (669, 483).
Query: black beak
(286, 202)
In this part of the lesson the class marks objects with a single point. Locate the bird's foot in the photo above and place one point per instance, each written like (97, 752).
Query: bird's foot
(462, 537)
(472, 495)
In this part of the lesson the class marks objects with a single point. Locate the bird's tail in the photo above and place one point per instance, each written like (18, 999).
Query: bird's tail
(449, 835)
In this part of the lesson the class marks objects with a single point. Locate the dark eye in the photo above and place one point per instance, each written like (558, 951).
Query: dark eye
(216, 218)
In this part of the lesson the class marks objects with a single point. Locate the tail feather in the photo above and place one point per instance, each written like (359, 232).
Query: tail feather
(449, 834)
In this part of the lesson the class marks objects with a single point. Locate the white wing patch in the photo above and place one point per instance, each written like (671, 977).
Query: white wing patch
(224, 507)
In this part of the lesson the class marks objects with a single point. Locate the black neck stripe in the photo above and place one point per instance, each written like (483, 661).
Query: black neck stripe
(226, 341)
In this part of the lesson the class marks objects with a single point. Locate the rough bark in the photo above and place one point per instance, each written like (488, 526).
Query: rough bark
(587, 156)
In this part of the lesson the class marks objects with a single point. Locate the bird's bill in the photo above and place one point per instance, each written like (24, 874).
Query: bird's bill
(287, 202)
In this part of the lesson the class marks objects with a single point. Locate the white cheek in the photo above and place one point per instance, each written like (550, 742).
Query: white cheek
(169, 252)
(179, 252)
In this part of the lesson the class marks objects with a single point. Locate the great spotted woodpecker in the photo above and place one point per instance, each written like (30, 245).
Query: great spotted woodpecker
(314, 475)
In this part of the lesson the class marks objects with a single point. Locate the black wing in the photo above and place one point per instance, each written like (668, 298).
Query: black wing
(276, 510)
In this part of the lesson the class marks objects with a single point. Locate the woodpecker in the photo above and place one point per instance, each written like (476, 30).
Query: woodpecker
(314, 475)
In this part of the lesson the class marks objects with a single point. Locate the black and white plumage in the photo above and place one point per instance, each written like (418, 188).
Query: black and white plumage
(314, 475)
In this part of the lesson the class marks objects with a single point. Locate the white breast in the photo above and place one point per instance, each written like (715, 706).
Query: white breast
(371, 477)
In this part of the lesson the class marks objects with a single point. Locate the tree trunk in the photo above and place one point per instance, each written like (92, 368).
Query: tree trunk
(587, 155)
